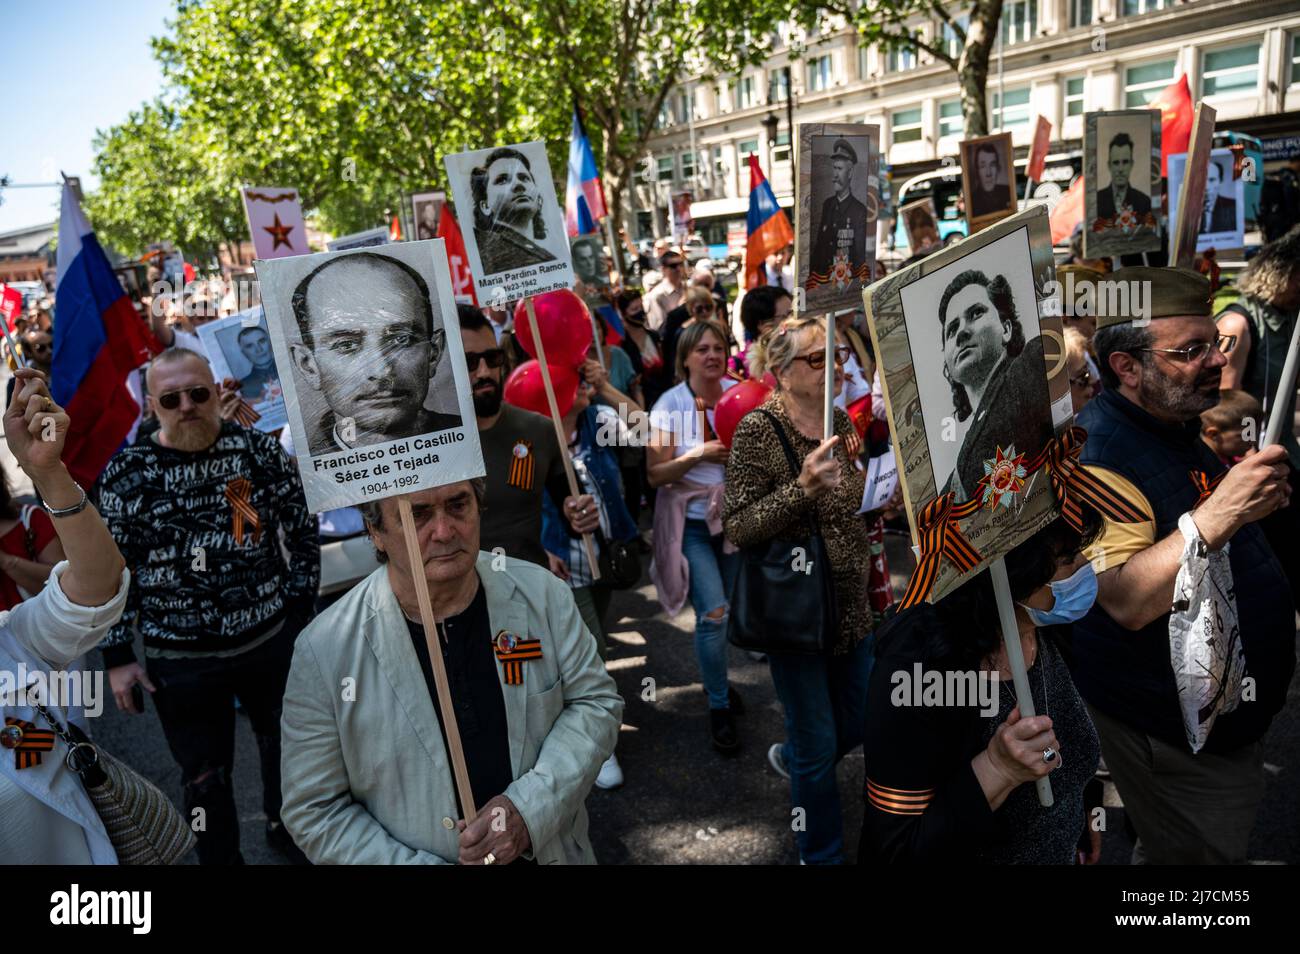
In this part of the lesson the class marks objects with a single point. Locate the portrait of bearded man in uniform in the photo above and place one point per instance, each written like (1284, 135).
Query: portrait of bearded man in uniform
(844, 226)
(508, 216)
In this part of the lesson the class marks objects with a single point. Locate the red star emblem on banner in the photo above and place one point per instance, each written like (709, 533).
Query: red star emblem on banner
(280, 232)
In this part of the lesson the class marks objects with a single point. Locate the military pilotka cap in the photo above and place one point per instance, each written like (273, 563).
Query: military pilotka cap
(842, 150)
(1155, 293)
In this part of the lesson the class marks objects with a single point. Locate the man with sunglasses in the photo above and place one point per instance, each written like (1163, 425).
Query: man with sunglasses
(1189, 805)
(520, 454)
(669, 293)
(198, 509)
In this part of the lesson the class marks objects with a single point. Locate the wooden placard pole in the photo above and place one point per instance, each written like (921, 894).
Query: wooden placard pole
(1182, 244)
(828, 411)
(561, 438)
(432, 637)
(19, 358)
(1277, 416)
(595, 339)
(1016, 660)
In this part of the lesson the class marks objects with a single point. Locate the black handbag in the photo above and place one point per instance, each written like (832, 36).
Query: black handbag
(620, 565)
(783, 598)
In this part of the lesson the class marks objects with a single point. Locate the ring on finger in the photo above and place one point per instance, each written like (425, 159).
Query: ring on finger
(1049, 754)
(489, 859)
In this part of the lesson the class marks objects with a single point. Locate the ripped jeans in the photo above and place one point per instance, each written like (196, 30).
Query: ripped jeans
(712, 573)
(196, 706)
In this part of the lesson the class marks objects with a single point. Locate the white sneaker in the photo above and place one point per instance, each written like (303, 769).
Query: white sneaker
(611, 776)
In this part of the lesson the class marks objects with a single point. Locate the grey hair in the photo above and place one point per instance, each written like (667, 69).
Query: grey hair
(372, 512)
(1125, 337)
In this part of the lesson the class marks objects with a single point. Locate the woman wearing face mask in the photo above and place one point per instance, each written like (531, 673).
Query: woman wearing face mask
(949, 776)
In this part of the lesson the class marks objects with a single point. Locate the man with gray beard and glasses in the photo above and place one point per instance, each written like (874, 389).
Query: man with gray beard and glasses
(197, 509)
(1191, 790)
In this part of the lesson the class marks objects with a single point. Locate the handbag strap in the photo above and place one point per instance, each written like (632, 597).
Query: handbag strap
(82, 757)
(793, 460)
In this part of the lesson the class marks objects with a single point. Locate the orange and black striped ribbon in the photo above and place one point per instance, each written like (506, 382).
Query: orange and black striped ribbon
(899, 801)
(1204, 485)
(512, 660)
(941, 536)
(245, 414)
(34, 741)
(1072, 482)
(703, 409)
(239, 493)
(521, 469)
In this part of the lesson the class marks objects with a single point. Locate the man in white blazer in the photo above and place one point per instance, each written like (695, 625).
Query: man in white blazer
(366, 774)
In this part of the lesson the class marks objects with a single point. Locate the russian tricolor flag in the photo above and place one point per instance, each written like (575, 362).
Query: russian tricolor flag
(98, 341)
(769, 230)
(584, 198)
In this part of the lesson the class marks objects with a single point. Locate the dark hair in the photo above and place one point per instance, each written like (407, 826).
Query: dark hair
(990, 148)
(625, 298)
(1120, 139)
(372, 512)
(1126, 338)
(478, 186)
(7, 508)
(472, 318)
(1000, 294)
(663, 259)
(243, 331)
(758, 306)
(299, 300)
(968, 628)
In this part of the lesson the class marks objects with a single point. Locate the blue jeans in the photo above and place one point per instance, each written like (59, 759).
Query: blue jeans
(825, 702)
(712, 573)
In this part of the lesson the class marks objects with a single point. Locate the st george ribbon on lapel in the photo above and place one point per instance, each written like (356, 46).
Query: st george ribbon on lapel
(512, 651)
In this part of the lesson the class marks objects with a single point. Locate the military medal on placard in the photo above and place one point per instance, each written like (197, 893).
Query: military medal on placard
(521, 465)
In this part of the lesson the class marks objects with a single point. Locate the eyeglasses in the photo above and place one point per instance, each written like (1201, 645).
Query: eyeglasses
(1197, 352)
(1082, 380)
(495, 357)
(702, 309)
(817, 359)
(172, 399)
(677, 264)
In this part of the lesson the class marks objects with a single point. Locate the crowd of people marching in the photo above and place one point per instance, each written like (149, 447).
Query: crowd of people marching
(193, 565)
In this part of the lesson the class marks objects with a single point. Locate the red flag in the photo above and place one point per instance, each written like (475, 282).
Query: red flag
(1068, 212)
(1176, 115)
(395, 230)
(1038, 151)
(11, 304)
(462, 282)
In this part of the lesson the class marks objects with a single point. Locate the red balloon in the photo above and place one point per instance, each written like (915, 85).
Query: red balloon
(735, 404)
(524, 388)
(565, 326)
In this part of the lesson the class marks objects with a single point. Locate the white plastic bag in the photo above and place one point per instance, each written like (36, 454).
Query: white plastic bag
(1204, 639)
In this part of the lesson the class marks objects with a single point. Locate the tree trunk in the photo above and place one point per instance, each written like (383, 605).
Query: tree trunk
(973, 67)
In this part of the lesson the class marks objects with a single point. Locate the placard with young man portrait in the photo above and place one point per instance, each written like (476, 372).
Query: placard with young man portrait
(1123, 213)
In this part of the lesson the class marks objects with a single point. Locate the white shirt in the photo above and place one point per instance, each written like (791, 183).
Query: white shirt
(675, 413)
(660, 300)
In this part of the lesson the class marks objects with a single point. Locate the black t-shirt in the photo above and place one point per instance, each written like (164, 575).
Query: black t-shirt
(475, 695)
(523, 461)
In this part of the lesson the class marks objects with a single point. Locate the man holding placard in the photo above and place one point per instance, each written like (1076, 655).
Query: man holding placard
(1181, 699)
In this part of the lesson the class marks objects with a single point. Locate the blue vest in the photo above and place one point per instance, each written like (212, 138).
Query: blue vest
(1127, 674)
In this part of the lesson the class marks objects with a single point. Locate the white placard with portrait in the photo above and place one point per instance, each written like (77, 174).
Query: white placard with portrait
(1223, 218)
(239, 347)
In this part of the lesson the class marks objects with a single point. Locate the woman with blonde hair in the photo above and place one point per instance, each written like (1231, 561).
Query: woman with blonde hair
(824, 696)
(698, 305)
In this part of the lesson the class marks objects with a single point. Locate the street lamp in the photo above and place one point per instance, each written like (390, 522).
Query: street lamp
(771, 123)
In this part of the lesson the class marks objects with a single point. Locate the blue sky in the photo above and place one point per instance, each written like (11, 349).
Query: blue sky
(68, 68)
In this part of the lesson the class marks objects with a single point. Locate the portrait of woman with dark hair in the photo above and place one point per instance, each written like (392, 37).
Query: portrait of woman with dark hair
(994, 375)
(508, 217)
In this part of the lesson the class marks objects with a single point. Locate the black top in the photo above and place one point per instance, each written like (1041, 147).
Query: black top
(923, 801)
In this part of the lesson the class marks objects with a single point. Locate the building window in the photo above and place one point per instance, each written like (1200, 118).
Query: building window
(778, 84)
(951, 42)
(1081, 13)
(685, 107)
(864, 61)
(688, 165)
(950, 118)
(1019, 21)
(746, 148)
(1017, 111)
(748, 91)
(905, 125)
(1295, 58)
(1074, 96)
(1231, 71)
(819, 74)
(781, 148)
(1144, 83)
(665, 115)
(665, 169)
(1132, 8)
(901, 59)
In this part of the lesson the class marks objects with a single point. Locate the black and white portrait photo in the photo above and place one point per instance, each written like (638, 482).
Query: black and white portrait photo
(838, 205)
(921, 227)
(589, 265)
(988, 179)
(1122, 182)
(239, 347)
(425, 208)
(1221, 224)
(375, 367)
(516, 240)
(974, 333)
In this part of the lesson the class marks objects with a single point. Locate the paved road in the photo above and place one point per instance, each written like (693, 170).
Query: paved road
(683, 803)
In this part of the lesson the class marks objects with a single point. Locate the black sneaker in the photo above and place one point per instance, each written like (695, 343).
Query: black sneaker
(722, 728)
(279, 840)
